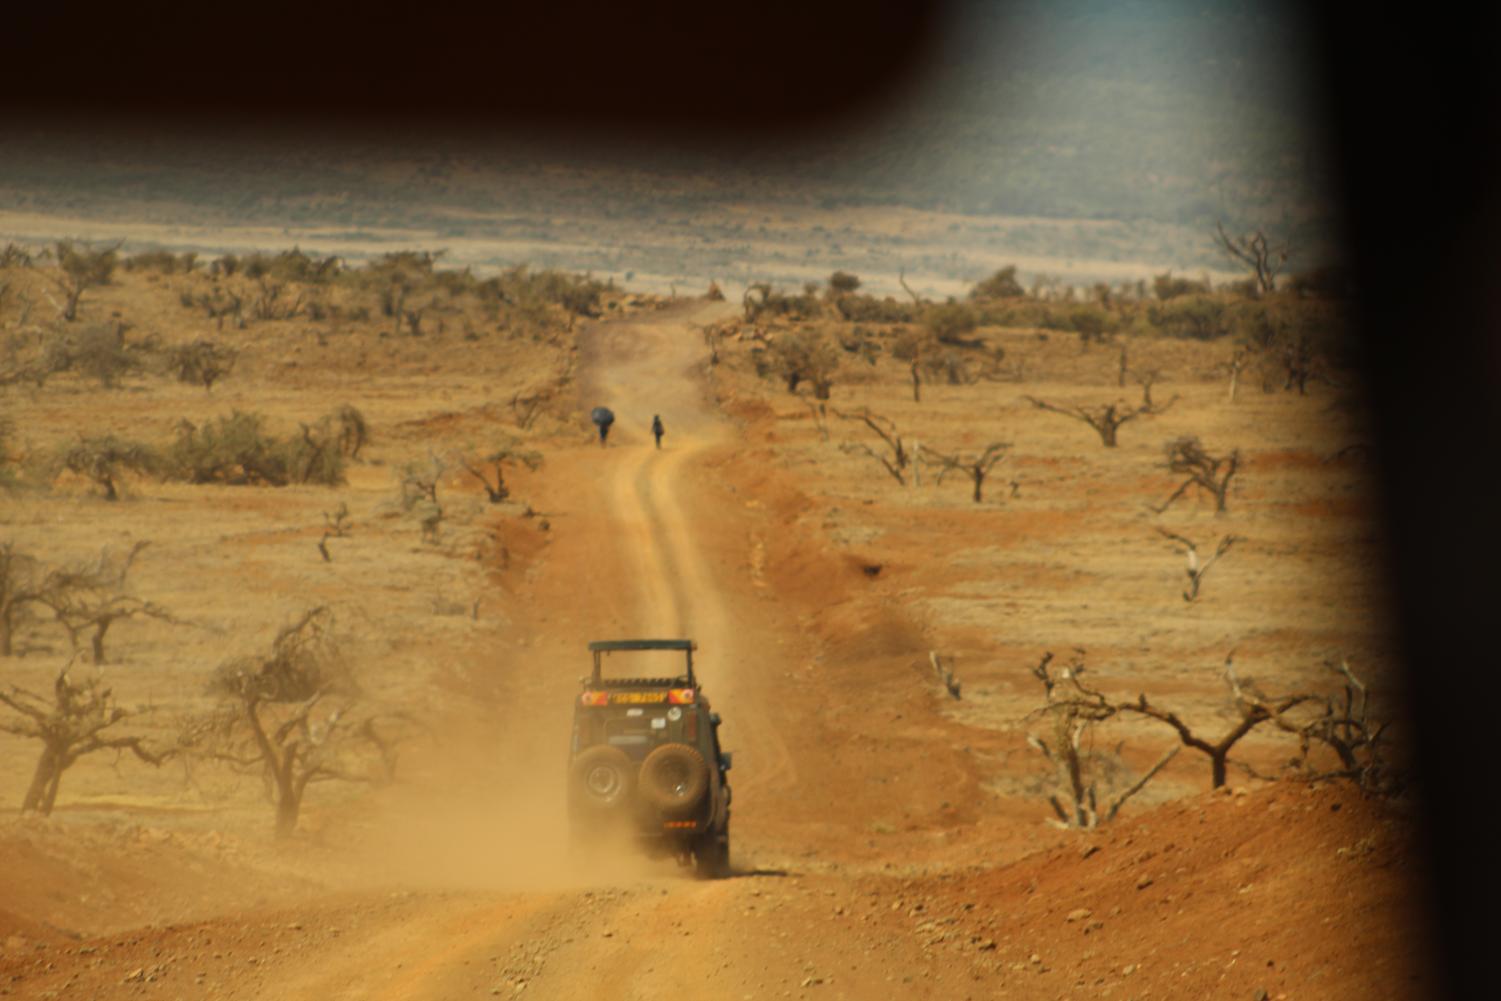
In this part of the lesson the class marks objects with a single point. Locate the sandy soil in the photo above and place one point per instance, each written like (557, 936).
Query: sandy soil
(885, 840)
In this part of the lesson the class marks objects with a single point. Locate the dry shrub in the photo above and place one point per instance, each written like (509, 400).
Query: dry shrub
(237, 450)
(201, 362)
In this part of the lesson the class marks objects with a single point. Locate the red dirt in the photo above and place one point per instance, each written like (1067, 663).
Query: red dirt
(871, 860)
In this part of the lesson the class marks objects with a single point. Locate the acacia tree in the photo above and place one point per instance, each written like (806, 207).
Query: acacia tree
(89, 597)
(976, 466)
(915, 348)
(843, 283)
(80, 268)
(71, 724)
(396, 276)
(926, 354)
(804, 355)
(1211, 474)
(1253, 711)
(1003, 284)
(897, 460)
(296, 715)
(951, 322)
(509, 452)
(1107, 419)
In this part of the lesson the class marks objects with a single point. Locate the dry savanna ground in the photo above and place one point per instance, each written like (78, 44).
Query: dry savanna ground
(891, 839)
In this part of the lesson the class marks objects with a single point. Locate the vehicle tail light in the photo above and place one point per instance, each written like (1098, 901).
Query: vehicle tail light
(680, 696)
(594, 698)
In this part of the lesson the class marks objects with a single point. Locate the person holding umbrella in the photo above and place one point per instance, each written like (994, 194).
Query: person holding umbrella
(602, 417)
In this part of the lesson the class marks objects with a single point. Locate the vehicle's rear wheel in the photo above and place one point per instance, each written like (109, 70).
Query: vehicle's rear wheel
(674, 779)
(711, 856)
(602, 779)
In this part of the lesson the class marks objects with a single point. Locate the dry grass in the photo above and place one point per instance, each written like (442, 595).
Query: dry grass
(235, 563)
(1064, 551)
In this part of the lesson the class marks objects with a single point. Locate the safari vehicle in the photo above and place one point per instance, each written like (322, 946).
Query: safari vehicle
(645, 761)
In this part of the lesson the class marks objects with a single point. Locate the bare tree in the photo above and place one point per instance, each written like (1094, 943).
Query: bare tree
(80, 268)
(1146, 379)
(901, 277)
(296, 715)
(1211, 474)
(509, 452)
(1342, 723)
(1255, 251)
(1106, 420)
(1233, 366)
(526, 408)
(270, 301)
(1195, 569)
(335, 526)
(348, 427)
(71, 724)
(89, 597)
(976, 466)
(1253, 712)
(818, 410)
(1074, 710)
(895, 458)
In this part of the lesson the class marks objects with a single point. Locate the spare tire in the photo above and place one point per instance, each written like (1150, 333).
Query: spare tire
(602, 778)
(674, 779)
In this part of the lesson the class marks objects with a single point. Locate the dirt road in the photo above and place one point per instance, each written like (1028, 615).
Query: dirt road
(633, 558)
(865, 866)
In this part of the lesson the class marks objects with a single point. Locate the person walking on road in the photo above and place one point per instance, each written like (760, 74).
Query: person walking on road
(657, 429)
(602, 418)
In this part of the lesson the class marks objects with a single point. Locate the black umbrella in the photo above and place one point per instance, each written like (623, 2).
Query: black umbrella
(603, 416)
